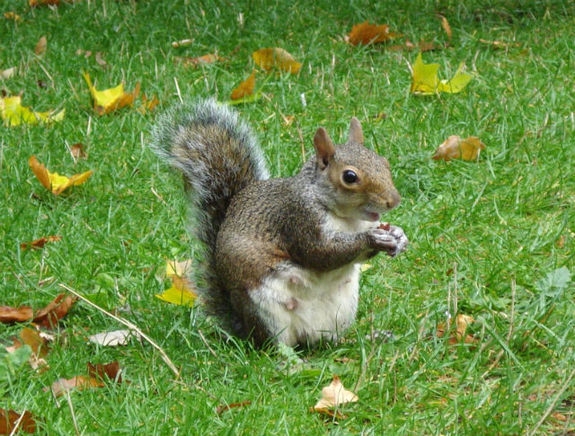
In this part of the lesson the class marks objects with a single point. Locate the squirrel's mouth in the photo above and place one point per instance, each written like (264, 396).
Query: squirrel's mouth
(372, 216)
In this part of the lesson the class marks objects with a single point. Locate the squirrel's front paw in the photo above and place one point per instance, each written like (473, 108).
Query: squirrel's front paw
(392, 241)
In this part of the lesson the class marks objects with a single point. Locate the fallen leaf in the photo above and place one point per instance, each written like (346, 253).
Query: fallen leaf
(147, 105)
(245, 89)
(113, 338)
(182, 43)
(446, 26)
(80, 382)
(78, 151)
(14, 114)
(11, 422)
(54, 181)
(12, 16)
(15, 314)
(500, 44)
(224, 407)
(35, 3)
(333, 395)
(7, 73)
(37, 343)
(461, 323)
(276, 58)
(181, 292)
(100, 60)
(109, 371)
(39, 243)
(366, 33)
(209, 58)
(41, 46)
(111, 99)
(456, 147)
(57, 309)
(426, 82)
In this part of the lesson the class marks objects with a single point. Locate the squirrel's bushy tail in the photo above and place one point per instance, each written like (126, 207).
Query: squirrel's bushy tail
(219, 156)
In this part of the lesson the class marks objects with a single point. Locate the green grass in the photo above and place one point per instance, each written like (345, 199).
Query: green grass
(477, 227)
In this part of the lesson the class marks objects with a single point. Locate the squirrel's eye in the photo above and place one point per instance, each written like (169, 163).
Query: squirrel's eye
(349, 176)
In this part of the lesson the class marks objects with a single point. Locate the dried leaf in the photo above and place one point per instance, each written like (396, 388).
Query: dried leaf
(7, 73)
(54, 181)
(181, 292)
(39, 243)
(111, 99)
(109, 371)
(209, 58)
(9, 418)
(276, 58)
(35, 3)
(14, 114)
(10, 15)
(78, 151)
(426, 82)
(224, 407)
(333, 395)
(147, 105)
(245, 89)
(461, 323)
(182, 43)
(100, 60)
(12, 314)
(57, 309)
(38, 346)
(114, 338)
(446, 26)
(366, 33)
(80, 382)
(455, 147)
(41, 46)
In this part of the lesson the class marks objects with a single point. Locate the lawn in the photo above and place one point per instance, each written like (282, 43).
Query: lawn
(491, 238)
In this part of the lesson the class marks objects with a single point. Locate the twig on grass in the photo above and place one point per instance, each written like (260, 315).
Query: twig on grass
(130, 326)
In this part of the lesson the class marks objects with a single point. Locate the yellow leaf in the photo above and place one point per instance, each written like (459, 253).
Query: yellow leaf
(54, 181)
(366, 33)
(14, 114)
(455, 147)
(10, 15)
(276, 58)
(333, 395)
(245, 89)
(181, 292)
(111, 99)
(425, 80)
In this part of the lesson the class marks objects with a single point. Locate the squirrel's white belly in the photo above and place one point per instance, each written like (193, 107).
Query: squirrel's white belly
(302, 306)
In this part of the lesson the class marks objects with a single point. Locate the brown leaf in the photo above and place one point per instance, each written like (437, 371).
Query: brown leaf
(35, 3)
(366, 33)
(9, 418)
(461, 323)
(32, 338)
(209, 58)
(39, 243)
(446, 26)
(109, 371)
(455, 147)
(246, 88)
(41, 46)
(78, 151)
(15, 314)
(57, 309)
(223, 407)
(79, 382)
(333, 395)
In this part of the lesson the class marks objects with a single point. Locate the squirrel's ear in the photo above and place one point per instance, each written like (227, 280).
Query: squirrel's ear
(355, 132)
(324, 149)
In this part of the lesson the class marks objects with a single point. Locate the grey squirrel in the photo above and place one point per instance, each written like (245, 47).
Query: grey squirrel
(282, 255)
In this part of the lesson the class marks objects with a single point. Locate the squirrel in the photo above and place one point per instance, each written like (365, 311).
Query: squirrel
(282, 255)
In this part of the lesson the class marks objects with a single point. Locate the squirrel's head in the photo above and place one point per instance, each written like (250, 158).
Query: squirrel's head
(359, 180)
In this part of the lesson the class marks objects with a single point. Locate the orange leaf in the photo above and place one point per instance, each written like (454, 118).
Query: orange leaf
(10, 15)
(35, 3)
(446, 26)
(109, 371)
(245, 88)
(57, 309)
(276, 58)
(41, 46)
(111, 99)
(9, 418)
(39, 243)
(11, 314)
(54, 181)
(78, 151)
(455, 147)
(366, 33)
